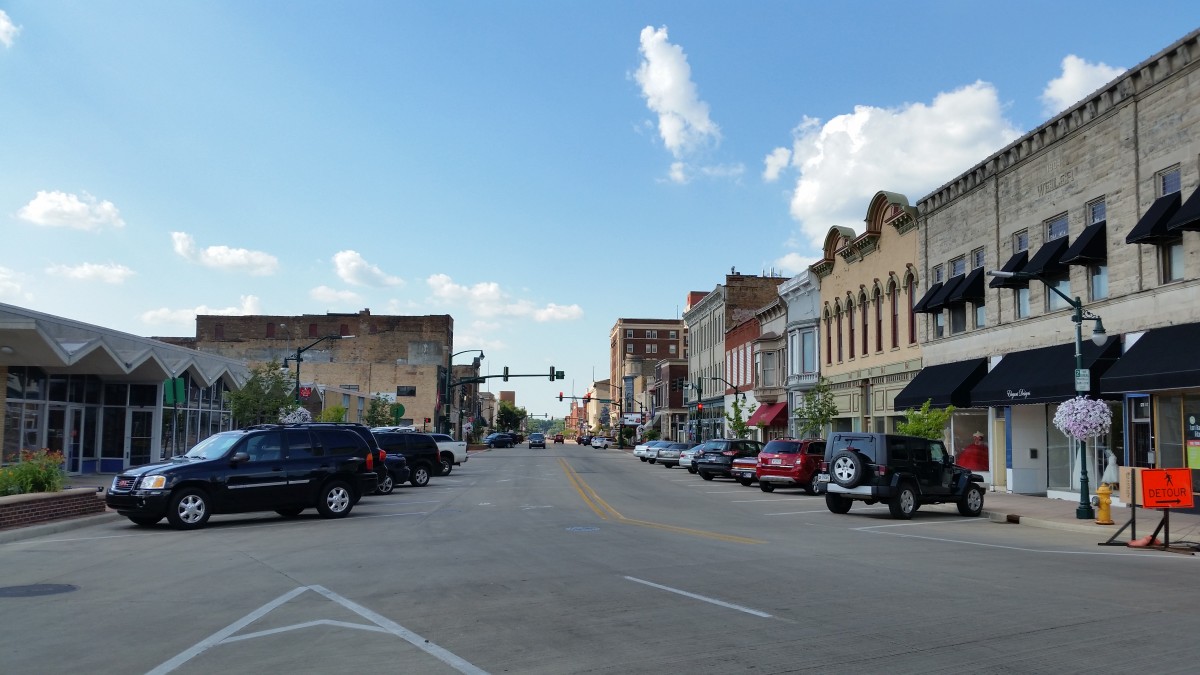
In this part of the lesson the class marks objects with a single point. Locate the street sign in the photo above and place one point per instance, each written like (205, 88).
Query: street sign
(305, 392)
(1167, 488)
(1083, 379)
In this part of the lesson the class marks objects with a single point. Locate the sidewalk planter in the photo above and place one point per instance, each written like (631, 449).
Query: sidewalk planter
(40, 507)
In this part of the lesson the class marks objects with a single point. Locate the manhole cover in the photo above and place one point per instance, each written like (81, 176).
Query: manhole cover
(582, 528)
(35, 589)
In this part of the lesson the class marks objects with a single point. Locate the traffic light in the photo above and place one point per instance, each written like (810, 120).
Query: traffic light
(699, 407)
(552, 378)
(427, 420)
(560, 396)
(506, 373)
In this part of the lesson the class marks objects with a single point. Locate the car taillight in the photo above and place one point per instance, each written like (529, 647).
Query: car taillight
(880, 470)
(729, 453)
(382, 455)
(823, 466)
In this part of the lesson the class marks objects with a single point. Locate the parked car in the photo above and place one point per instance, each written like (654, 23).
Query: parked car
(407, 427)
(903, 472)
(687, 458)
(270, 467)
(558, 438)
(744, 470)
(537, 440)
(602, 442)
(583, 439)
(668, 454)
(451, 453)
(499, 440)
(788, 462)
(716, 457)
(396, 473)
(640, 449)
(420, 451)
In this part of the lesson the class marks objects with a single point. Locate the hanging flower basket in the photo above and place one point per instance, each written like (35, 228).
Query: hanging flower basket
(1082, 418)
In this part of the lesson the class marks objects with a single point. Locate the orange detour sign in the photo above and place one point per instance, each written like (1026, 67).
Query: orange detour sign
(1167, 488)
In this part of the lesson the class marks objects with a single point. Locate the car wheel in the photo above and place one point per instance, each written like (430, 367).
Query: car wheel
(188, 509)
(766, 487)
(290, 512)
(813, 486)
(642, 458)
(904, 504)
(691, 470)
(335, 500)
(971, 504)
(447, 465)
(668, 466)
(145, 521)
(846, 469)
(746, 482)
(706, 475)
(420, 475)
(652, 460)
(838, 503)
(386, 485)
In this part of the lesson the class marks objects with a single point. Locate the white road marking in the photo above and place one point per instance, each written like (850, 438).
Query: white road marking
(702, 598)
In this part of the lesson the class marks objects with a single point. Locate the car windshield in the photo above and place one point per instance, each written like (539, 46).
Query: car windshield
(537, 437)
(782, 448)
(214, 446)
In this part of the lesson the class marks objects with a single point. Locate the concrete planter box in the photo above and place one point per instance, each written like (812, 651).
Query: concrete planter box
(41, 507)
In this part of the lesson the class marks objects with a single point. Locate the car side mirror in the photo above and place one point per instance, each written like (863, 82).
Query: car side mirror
(949, 459)
(239, 457)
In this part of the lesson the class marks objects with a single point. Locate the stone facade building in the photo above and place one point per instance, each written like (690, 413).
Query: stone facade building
(802, 296)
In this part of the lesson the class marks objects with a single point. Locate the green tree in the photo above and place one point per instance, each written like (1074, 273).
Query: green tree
(651, 435)
(332, 414)
(379, 413)
(265, 396)
(926, 422)
(816, 410)
(737, 418)
(509, 416)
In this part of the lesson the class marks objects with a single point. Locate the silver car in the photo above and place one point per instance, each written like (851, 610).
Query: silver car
(641, 450)
(669, 455)
(687, 458)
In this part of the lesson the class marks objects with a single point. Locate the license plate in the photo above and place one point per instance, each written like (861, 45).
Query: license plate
(823, 478)
(775, 461)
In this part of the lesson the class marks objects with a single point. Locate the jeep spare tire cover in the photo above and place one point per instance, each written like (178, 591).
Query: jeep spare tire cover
(846, 469)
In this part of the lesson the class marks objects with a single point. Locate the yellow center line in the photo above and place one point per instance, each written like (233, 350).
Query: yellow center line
(605, 511)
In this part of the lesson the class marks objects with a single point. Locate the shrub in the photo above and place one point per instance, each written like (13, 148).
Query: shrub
(39, 471)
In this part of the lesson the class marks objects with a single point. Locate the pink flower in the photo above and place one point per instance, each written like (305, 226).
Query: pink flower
(1082, 418)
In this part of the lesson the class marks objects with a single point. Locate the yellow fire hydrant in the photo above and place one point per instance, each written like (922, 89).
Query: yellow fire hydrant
(1104, 510)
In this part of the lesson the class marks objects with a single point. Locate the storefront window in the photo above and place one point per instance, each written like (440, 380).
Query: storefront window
(969, 439)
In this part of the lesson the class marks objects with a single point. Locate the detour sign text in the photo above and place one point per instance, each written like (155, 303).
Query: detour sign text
(1167, 488)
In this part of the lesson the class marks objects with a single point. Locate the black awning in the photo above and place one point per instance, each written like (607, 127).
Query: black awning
(1188, 215)
(1090, 247)
(942, 385)
(938, 301)
(933, 290)
(1045, 375)
(1047, 261)
(970, 290)
(1014, 264)
(1163, 358)
(1152, 228)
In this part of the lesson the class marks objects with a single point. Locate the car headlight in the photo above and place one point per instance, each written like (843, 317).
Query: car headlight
(153, 482)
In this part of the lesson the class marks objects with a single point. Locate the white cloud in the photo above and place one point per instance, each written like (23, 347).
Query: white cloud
(775, 163)
(59, 209)
(109, 274)
(332, 295)
(187, 317)
(1079, 78)
(678, 173)
(480, 335)
(912, 149)
(794, 263)
(10, 285)
(488, 300)
(666, 81)
(354, 269)
(8, 30)
(256, 263)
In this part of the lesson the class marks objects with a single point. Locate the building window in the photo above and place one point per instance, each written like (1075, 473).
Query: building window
(652, 334)
(958, 266)
(651, 349)
(895, 300)
(828, 341)
(219, 331)
(839, 336)
(978, 258)
(980, 315)
(312, 330)
(1169, 181)
(629, 332)
(1054, 301)
(878, 321)
(270, 330)
(629, 349)
(674, 335)
(850, 310)
(939, 325)
(404, 390)
(672, 348)
(1096, 211)
(1097, 282)
(1020, 241)
(808, 352)
(1056, 227)
(1021, 299)
(938, 274)
(912, 316)
(958, 319)
(1171, 260)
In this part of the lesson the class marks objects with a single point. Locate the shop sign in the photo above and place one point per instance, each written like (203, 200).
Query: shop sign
(1167, 488)
(1020, 393)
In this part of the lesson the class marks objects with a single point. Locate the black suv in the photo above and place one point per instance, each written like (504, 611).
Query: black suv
(715, 457)
(900, 471)
(281, 468)
(419, 450)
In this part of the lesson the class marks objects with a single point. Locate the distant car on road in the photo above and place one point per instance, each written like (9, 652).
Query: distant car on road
(537, 440)
(558, 438)
(499, 440)
(602, 442)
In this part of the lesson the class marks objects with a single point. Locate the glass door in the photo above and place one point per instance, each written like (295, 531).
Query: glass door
(76, 432)
(141, 436)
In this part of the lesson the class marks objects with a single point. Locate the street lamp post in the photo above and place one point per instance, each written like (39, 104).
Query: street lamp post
(446, 390)
(299, 357)
(1084, 511)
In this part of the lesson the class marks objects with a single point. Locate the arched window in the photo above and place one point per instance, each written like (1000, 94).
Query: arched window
(862, 308)
(850, 310)
(894, 294)
(911, 285)
(838, 320)
(828, 340)
(878, 320)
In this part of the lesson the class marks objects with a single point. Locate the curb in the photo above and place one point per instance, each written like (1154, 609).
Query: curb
(1017, 519)
(54, 527)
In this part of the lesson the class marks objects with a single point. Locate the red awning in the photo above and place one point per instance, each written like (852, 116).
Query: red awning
(768, 415)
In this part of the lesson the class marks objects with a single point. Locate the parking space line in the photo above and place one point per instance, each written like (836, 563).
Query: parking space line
(714, 601)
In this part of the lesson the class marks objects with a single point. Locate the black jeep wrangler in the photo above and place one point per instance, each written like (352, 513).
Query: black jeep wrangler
(900, 471)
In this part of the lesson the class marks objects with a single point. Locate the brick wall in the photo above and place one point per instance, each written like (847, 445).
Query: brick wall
(41, 507)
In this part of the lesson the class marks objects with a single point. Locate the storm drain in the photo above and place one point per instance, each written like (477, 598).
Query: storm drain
(35, 589)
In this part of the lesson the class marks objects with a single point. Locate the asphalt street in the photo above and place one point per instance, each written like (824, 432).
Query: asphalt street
(573, 560)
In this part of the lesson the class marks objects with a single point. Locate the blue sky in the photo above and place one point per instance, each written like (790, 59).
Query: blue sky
(535, 169)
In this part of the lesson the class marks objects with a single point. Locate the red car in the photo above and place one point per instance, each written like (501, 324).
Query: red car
(787, 462)
(745, 470)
